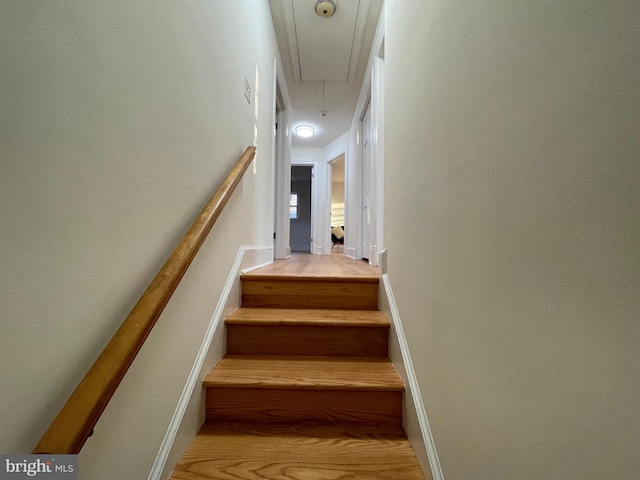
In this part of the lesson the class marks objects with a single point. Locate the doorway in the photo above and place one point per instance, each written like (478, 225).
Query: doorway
(300, 231)
(338, 207)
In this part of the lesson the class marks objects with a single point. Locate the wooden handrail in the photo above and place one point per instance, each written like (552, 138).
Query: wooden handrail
(75, 421)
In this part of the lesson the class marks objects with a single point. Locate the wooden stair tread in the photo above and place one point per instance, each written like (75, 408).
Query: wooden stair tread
(252, 277)
(306, 390)
(311, 317)
(304, 372)
(246, 451)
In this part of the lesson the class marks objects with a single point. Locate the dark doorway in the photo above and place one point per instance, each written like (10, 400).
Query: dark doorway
(300, 209)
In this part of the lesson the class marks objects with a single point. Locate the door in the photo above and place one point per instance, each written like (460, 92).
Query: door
(367, 182)
(300, 209)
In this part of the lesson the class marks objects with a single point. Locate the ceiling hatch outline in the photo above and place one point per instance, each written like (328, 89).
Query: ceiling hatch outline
(306, 31)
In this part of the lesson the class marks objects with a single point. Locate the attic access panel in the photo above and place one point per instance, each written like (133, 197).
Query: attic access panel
(327, 48)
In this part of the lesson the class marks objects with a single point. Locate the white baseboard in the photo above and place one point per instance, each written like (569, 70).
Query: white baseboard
(350, 252)
(188, 416)
(415, 419)
(373, 255)
(256, 257)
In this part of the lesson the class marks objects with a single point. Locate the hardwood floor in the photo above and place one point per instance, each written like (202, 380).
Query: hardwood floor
(306, 265)
(306, 390)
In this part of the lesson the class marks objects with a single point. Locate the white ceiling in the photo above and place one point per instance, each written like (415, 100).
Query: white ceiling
(324, 61)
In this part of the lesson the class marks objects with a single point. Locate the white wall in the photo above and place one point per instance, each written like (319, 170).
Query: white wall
(512, 194)
(337, 204)
(337, 193)
(119, 119)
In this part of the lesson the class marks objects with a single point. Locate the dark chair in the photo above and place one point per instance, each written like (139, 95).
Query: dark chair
(335, 241)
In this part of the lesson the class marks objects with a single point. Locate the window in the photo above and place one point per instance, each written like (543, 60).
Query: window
(293, 206)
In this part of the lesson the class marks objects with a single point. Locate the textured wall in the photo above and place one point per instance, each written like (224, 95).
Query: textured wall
(512, 190)
(118, 120)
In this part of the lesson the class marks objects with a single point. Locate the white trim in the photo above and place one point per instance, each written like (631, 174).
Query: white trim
(191, 387)
(412, 381)
(350, 252)
(292, 38)
(282, 162)
(377, 126)
(361, 21)
(251, 269)
(342, 151)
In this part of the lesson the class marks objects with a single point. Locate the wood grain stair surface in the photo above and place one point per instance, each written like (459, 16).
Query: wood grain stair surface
(332, 373)
(242, 451)
(307, 316)
(263, 331)
(275, 291)
(306, 390)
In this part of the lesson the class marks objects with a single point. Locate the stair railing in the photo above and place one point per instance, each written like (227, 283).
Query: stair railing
(77, 418)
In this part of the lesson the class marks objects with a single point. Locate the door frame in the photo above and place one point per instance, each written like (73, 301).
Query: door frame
(313, 201)
(316, 248)
(282, 163)
(372, 95)
(367, 252)
(344, 151)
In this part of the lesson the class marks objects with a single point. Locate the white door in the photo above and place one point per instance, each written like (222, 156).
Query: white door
(367, 182)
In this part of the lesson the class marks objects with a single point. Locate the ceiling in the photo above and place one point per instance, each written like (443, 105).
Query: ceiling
(324, 60)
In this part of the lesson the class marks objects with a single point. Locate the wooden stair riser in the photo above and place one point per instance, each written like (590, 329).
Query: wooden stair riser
(303, 405)
(308, 340)
(296, 293)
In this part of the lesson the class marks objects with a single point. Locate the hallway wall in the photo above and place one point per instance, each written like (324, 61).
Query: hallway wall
(512, 195)
(118, 121)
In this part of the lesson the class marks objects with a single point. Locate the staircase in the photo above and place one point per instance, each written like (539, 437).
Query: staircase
(306, 390)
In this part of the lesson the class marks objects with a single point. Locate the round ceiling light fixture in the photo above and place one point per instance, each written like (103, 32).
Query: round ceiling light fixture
(305, 130)
(325, 8)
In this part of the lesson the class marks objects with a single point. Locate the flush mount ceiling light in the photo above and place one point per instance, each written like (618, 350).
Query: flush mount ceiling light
(305, 130)
(325, 8)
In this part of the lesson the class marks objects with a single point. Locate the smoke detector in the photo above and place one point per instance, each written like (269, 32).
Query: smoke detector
(325, 8)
